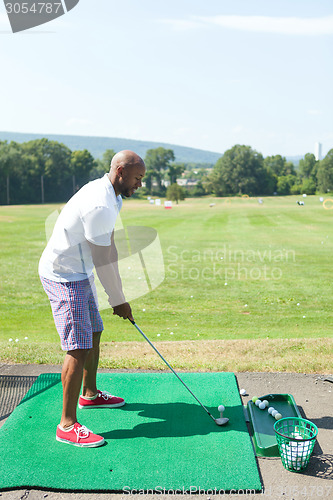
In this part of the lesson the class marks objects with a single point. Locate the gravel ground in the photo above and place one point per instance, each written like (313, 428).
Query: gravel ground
(314, 397)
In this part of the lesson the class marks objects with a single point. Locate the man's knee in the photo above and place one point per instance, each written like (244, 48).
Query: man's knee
(96, 338)
(78, 354)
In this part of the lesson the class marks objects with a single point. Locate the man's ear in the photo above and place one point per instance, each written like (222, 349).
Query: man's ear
(119, 171)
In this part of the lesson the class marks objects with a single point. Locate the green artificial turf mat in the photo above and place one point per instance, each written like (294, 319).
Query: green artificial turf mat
(161, 439)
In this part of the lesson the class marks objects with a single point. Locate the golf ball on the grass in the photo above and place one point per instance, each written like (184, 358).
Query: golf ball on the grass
(262, 405)
(257, 403)
(221, 408)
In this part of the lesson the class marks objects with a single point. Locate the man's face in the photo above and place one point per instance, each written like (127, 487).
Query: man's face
(130, 179)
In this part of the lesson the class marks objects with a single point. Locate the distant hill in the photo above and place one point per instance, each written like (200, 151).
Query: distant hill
(97, 145)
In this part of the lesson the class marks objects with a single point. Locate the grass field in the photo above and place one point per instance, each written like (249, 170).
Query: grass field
(249, 282)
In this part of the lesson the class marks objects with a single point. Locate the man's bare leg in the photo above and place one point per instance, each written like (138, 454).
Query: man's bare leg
(89, 388)
(71, 378)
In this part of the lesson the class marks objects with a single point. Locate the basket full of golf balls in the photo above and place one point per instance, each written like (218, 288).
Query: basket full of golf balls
(295, 438)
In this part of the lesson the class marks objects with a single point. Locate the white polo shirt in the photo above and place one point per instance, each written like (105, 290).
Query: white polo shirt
(89, 215)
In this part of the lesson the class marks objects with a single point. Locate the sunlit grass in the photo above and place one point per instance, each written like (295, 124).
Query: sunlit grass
(236, 270)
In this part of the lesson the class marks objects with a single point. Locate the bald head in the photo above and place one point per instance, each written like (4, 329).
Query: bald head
(126, 159)
(126, 171)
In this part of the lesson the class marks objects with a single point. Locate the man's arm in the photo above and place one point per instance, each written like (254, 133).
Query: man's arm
(105, 259)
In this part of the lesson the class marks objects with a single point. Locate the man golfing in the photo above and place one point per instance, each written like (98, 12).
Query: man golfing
(83, 237)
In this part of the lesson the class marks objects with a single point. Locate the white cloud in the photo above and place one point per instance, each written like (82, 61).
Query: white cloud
(279, 25)
(315, 112)
(312, 26)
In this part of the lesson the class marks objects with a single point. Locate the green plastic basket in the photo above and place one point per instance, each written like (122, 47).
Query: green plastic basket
(295, 438)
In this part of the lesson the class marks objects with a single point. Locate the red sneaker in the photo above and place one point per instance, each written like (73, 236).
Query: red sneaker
(79, 436)
(102, 400)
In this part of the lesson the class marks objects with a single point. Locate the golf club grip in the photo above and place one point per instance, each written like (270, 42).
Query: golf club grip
(169, 366)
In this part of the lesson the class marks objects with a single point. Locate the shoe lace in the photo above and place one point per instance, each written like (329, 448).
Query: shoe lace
(81, 432)
(105, 395)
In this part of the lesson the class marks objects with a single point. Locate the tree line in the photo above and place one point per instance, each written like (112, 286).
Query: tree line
(242, 170)
(45, 171)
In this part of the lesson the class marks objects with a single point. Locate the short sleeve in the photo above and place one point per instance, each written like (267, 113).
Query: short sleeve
(98, 225)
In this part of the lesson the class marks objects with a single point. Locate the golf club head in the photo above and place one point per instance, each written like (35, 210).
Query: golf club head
(221, 421)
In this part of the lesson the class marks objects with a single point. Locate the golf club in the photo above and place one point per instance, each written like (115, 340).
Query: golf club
(218, 421)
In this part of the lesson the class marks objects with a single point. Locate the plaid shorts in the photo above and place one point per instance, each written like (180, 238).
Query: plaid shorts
(75, 311)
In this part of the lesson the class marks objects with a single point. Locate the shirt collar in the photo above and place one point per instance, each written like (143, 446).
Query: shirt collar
(110, 188)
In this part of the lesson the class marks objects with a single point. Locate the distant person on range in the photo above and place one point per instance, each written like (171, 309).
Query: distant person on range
(83, 237)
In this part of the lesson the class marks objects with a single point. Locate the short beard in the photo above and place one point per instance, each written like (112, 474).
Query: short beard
(126, 193)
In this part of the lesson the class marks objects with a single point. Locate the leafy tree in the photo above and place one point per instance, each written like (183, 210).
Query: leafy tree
(325, 173)
(279, 166)
(9, 160)
(276, 164)
(215, 182)
(308, 186)
(308, 167)
(239, 171)
(296, 188)
(102, 166)
(197, 190)
(284, 184)
(50, 166)
(175, 170)
(175, 193)
(157, 162)
(82, 163)
(107, 158)
(270, 183)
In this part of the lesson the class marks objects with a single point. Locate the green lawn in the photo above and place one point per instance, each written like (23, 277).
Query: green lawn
(234, 270)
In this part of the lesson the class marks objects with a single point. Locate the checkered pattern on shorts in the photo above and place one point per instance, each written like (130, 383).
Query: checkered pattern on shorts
(75, 311)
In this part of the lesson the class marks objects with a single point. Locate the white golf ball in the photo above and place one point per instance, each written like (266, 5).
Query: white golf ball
(242, 392)
(274, 412)
(266, 403)
(270, 409)
(277, 416)
(262, 406)
(221, 408)
(257, 403)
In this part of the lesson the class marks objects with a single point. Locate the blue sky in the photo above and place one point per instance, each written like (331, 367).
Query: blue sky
(206, 74)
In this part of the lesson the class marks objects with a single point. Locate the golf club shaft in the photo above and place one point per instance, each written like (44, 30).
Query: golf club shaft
(169, 366)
